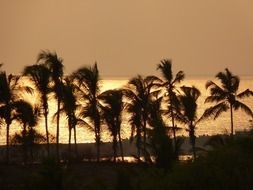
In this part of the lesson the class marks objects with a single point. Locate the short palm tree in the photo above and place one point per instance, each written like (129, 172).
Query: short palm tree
(112, 114)
(9, 88)
(226, 97)
(54, 64)
(40, 76)
(88, 80)
(139, 91)
(188, 112)
(170, 83)
(28, 116)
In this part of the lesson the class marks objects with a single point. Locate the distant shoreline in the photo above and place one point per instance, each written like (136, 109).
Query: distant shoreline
(87, 151)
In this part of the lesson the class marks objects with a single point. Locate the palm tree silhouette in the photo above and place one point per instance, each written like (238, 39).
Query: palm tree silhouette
(188, 115)
(135, 121)
(112, 114)
(54, 63)
(226, 97)
(160, 142)
(40, 76)
(7, 97)
(69, 108)
(9, 88)
(139, 91)
(88, 80)
(28, 116)
(170, 83)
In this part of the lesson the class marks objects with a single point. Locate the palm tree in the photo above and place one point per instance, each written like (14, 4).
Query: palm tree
(7, 97)
(170, 83)
(188, 114)
(160, 142)
(88, 81)
(54, 63)
(226, 97)
(40, 76)
(9, 86)
(136, 126)
(112, 114)
(139, 91)
(69, 108)
(28, 116)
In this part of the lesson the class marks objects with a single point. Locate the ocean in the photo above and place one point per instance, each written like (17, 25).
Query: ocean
(208, 127)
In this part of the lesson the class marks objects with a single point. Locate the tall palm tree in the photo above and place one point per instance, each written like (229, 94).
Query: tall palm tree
(88, 80)
(28, 116)
(170, 83)
(54, 63)
(40, 76)
(139, 91)
(226, 97)
(9, 88)
(188, 114)
(112, 114)
(69, 108)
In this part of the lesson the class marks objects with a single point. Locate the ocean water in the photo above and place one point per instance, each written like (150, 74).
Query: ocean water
(208, 127)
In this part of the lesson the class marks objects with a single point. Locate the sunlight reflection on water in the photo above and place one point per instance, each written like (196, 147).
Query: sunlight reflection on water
(210, 127)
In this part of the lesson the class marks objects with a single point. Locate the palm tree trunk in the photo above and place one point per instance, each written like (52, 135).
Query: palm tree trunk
(120, 146)
(69, 145)
(174, 134)
(76, 153)
(25, 144)
(138, 144)
(97, 139)
(97, 135)
(144, 139)
(7, 143)
(173, 125)
(192, 139)
(114, 148)
(47, 133)
(194, 151)
(98, 147)
(58, 131)
(232, 122)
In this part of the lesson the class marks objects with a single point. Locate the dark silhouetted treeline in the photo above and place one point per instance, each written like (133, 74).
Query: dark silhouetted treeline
(80, 99)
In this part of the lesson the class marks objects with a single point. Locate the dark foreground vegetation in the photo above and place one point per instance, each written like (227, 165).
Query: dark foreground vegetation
(228, 166)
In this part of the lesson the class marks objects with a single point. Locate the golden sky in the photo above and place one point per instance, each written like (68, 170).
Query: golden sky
(129, 37)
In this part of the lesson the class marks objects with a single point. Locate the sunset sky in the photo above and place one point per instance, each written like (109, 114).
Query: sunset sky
(129, 37)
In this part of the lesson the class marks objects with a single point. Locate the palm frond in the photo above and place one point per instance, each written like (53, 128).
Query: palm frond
(181, 118)
(215, 111)
(215, 98)
(179, 77)
(229, 81)
(136, 84)
(245, 93)
(189, 105)
(53, 61)
(165, 66)
(239, 105)
(211, 84)
(217, 93)
(89, 78)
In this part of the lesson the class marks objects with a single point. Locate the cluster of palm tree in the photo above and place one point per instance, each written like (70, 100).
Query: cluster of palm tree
(79, 98)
